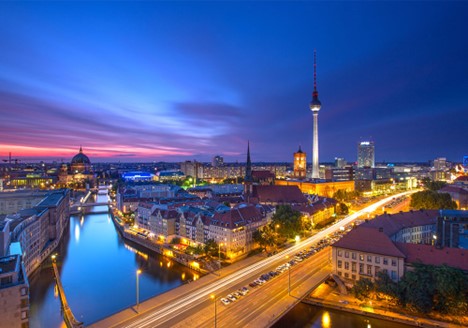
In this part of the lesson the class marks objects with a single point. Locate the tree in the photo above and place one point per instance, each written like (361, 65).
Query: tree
(451, 288)
(211, 247)
(432, 200)
(342, 209)
(385, 285)
(417, 289)
(289, 220)
(363, 288)
(433, 185)
(264, 237)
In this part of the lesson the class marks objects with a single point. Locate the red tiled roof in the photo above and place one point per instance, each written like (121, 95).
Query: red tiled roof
(392, 223)
(279, 194)
(237, 217)
(369, 240)
(264, 174)
(427, 254)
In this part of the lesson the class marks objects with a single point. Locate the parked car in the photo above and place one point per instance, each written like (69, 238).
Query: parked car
(225, 301)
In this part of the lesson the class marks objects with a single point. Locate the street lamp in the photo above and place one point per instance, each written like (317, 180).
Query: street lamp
(219, 254)
(213, 297)
(53, 257)
(138, 272)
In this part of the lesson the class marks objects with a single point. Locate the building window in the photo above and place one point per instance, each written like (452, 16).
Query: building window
(24, 315)
(346, 265)
(361, 257)
(394, 275)
(340, 273)
(377, 269)
(369, 258)
(353, 255)
(393, 262)
(369, 270)
(24, 302)
(361, 268)
(385, 261)
(377, 259)
(346, 254)
(346, 275)
(339, 264)
(353, 266)
(353, 277)
(340, 253)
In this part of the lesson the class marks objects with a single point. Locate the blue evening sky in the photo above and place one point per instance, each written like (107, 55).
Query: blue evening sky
(162, 80)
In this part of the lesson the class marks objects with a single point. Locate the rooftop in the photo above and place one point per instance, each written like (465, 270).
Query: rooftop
(427, 254)
(9, 264)
(369, 240)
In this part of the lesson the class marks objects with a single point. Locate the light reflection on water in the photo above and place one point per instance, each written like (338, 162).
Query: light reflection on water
(97, 270)
(307, 316)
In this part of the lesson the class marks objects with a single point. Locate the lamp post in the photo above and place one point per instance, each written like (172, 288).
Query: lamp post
(219, 254)
(213, 297)
(138, 272)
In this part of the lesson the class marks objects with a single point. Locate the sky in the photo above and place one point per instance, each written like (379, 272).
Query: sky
(174, 81)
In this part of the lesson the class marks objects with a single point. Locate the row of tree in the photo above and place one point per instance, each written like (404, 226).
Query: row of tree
(432, 200)
(426, 288)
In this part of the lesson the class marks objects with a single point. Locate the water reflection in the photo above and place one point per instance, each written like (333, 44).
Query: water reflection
(97, 269)
(303, 315)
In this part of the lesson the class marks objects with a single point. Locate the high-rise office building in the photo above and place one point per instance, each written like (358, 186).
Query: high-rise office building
(217, 161)
(315, 106)
(340, 162)
(366, 154)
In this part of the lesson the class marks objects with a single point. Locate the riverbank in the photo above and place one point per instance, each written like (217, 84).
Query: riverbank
(329, 297)
(161, 249)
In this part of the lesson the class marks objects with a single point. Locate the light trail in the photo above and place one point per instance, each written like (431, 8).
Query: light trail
(201, 295)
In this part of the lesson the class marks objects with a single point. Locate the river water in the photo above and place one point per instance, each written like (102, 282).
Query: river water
(98, 273)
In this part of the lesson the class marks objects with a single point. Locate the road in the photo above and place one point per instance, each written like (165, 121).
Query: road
(181, 308)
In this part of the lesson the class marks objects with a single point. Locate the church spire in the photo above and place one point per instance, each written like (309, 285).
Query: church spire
(81, 149)
(248, 165)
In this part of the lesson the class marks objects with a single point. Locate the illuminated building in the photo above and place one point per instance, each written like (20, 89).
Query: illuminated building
(366, 154)
(79, 173)
(217, 161)
(80, 163)
(300, 163)
(340, 162)
(394, 243)
(315, 106)
(324, 189)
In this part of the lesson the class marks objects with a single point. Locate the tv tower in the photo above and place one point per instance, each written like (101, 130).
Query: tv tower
(315, 106)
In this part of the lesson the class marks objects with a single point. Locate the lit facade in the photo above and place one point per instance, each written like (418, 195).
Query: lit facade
(366, 154)
(300, 164)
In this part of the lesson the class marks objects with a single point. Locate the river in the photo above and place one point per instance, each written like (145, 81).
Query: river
(98, 273)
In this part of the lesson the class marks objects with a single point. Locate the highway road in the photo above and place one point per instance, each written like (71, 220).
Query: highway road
(198, 301)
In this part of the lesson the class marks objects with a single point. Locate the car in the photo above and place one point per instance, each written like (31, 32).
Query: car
(232, 298)
(253, 284)
(225, 301)
(237, 295)
(245, 290)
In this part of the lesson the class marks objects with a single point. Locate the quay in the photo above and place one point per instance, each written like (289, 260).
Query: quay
(68, 315)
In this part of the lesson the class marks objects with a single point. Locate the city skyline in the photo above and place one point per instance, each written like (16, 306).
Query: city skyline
(180, 81)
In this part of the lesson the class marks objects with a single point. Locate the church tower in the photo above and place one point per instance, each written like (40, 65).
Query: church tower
(300, 162)
(248, 175)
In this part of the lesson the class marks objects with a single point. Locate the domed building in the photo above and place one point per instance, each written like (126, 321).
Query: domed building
(79, 174)
(80, 163)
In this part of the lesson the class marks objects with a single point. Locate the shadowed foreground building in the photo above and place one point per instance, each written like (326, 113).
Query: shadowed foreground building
(14, 293)
(392, 243)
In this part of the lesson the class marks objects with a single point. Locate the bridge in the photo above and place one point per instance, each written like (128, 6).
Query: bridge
(83, 205)
(191, 305)
(68, 316)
